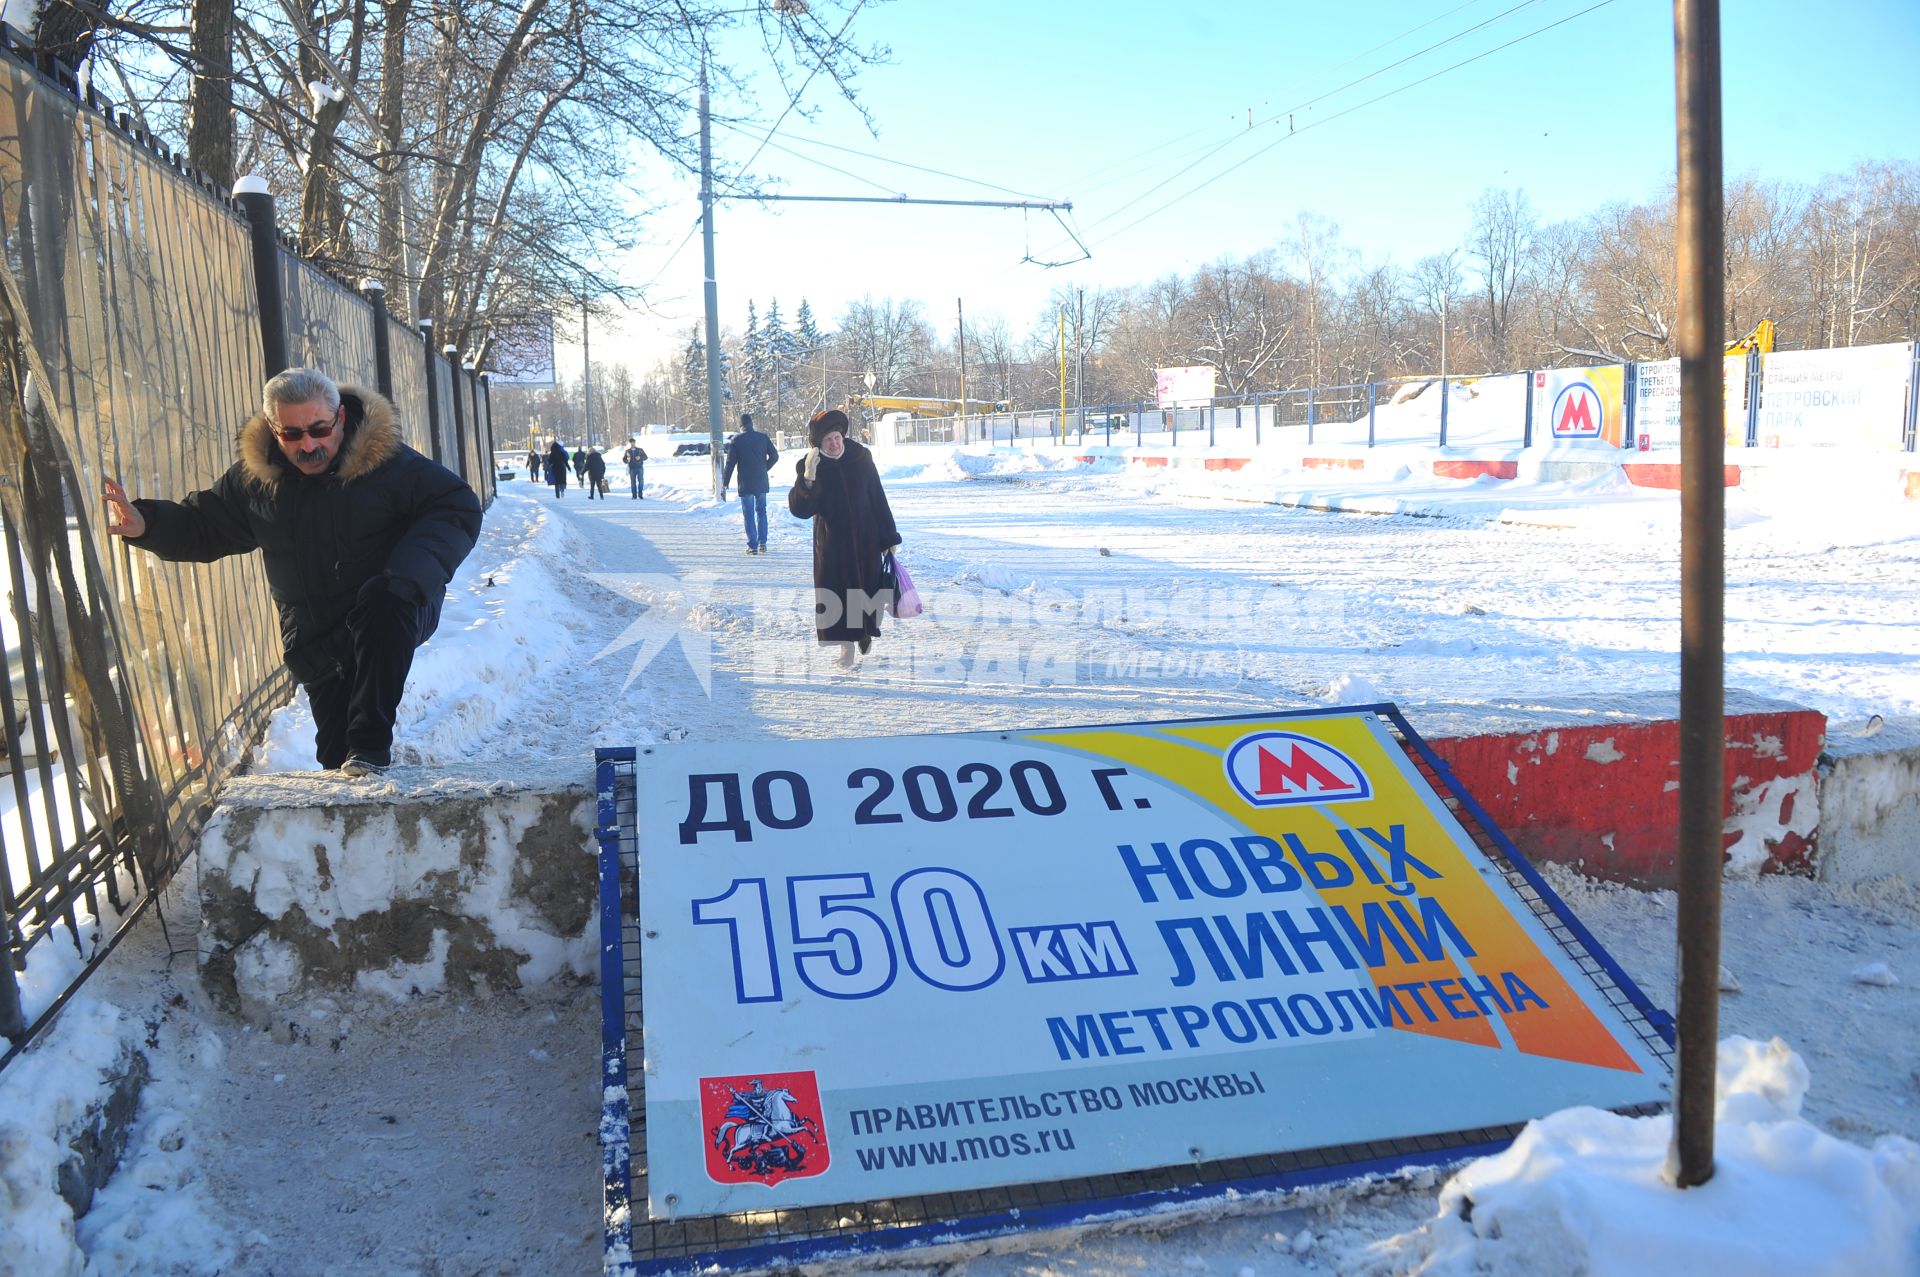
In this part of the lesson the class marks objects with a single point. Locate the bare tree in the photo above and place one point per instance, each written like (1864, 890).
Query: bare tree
(1500, 243)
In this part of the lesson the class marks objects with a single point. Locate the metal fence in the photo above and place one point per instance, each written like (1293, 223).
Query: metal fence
(131, 347)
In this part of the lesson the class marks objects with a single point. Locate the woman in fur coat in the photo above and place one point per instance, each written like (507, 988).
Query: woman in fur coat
(838, 487)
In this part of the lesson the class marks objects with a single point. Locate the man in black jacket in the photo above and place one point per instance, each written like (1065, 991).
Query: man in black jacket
(751, 453)
(359, 535)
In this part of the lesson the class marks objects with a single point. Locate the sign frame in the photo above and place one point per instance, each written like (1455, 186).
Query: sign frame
(637, 1244)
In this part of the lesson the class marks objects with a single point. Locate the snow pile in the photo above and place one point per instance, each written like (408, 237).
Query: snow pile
(48, 1095)
(1583, 1192)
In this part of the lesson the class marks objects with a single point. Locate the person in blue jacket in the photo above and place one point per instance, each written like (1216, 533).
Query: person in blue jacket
(557, 464)
(752, 454)
(359, 535)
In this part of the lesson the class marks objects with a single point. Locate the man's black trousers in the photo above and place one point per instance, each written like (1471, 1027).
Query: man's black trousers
(353, 710)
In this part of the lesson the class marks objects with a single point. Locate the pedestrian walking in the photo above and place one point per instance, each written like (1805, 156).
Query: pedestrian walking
(838, 487)
(580, 464)
(636, 458)
(557, 464)
(752, 454)
(359, 535)
(596, 474)
(533, 464)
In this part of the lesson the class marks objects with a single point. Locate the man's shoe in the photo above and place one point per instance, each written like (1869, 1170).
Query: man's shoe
(359, 766)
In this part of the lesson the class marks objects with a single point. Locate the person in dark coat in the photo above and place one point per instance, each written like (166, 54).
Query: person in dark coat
(359, 535)
(596, 474)
(636, 458)
(580, 463)
(533, 464)
(557, 463)
(753, 454)
(838, 487)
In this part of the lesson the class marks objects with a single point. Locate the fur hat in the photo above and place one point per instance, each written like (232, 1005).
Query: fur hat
(826, 422)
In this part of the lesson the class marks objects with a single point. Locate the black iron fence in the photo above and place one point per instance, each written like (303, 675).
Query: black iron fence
(133, 342)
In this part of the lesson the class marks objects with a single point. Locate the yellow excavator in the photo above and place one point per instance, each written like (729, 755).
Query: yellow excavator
(1759, 341)
(877, 404)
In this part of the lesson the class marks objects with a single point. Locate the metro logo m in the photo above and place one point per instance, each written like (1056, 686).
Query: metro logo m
(1291, 776)
(1578, 412)
(1270, 769)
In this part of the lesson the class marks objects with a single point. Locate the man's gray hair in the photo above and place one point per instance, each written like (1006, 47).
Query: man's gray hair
(299, 385)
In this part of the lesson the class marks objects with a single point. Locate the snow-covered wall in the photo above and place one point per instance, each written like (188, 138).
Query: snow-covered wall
(1870, 802)
(309, 884)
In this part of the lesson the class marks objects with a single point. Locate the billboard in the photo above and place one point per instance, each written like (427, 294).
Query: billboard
(1656, 403)
(1580, 407)
(1184, 387)
(930, 964)
(521, 353)
(1854, 397)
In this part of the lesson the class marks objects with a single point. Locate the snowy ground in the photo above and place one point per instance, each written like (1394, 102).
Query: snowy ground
(362, 1137)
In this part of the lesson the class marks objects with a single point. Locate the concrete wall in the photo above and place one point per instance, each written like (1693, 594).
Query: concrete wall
(309, 883)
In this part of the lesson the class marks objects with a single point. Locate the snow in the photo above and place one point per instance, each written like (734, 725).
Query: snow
(409, 1128)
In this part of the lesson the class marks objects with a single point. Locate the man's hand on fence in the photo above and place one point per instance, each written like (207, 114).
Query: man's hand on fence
(122, 519)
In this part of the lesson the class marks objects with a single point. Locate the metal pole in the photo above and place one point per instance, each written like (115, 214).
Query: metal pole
(712, 293)
(433, 393)
(459, 412)
(586, 368)
(1699, 238)
(1080, 363)
(256, 201)
(1063, 374)
(960, 327)
(376, 294)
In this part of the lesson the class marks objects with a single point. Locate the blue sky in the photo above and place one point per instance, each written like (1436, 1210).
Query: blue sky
(1099, 102)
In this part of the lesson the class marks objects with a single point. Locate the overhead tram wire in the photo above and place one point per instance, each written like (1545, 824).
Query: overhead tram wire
(1418, 53)
(918, 168)
(794, 100)
(1241, 131)
(1238, 164)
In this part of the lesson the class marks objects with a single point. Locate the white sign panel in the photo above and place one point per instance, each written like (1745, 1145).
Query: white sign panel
(1656, 403)
(1855, 397)
(1184, 387)
(933, 963)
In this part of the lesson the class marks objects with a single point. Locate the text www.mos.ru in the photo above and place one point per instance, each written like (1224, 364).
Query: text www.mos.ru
(968, 1148)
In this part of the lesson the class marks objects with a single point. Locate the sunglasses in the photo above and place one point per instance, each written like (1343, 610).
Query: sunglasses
(294, 434)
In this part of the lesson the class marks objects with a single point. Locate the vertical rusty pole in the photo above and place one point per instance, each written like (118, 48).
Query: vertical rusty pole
(1699, 236)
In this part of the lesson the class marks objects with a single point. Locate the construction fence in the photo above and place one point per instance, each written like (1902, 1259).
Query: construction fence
(137, 324)
(1860, 397)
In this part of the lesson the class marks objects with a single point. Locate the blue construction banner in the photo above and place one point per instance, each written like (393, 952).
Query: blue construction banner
(927, 964)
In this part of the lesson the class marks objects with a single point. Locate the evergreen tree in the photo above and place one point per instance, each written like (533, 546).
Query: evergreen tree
(754, 350)
(693, 382)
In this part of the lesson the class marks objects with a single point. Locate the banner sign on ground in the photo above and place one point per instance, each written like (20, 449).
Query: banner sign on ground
(1184, 387)
(1656, 403)
(1580, 407)
(1854, 397)
(927, 964)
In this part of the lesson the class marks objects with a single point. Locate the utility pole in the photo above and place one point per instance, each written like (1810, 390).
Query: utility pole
(1063, 374)
(586, 365)
(1080, 366)
(960, 327)
(712, 293)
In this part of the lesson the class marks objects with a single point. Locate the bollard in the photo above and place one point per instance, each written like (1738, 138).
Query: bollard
(376, 294)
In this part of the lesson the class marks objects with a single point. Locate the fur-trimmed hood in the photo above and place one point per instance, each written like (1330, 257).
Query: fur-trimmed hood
(373, 437)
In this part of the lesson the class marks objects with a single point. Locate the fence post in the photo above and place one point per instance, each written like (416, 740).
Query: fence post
(13, 1020)
(433, 392)
(1212, 416)
(452, 354)
(1756, 382)
(1629, 383)
(256, 201)
(1526, 422)
(1313, 412)
(1370, 402)
(1256, 423)
(376, 294)
(1913, 397)
(1444, 396)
